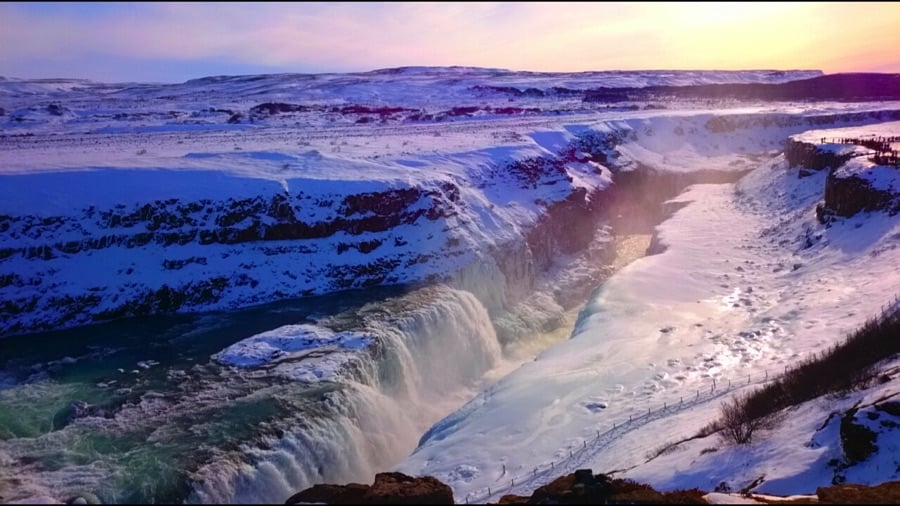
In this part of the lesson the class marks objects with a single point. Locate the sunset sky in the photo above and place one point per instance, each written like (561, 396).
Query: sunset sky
(163, 42)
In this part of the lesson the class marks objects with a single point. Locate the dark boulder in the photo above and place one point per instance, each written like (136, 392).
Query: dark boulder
(352, 493)
(389, 488)
(398, 488)
(850, 194)
(885, 493)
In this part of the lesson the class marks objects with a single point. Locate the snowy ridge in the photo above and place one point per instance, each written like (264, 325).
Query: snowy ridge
(234, 103)
(206, 233)
(205, 230)
(380, 82)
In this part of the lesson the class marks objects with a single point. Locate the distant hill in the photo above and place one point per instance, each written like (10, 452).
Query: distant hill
(841, 87)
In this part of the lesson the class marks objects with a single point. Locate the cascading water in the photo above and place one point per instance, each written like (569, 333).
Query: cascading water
(180, 427)
(220, 434)
(215, 433)
(433, 346)
(433, 350)
(136, 412)
(79, 417)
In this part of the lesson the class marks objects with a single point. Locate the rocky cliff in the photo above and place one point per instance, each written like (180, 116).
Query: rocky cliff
(848, 192)
(148, 242)
(855, 182)
(213, 230)
(810, 156)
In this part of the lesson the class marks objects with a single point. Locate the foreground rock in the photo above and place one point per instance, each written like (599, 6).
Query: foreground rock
(885, 493)
(389, 488)
(581, 487)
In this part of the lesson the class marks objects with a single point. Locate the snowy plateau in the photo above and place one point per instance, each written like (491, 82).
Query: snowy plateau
(230, 289)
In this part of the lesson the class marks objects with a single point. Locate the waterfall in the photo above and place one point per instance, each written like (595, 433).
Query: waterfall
(434, 345)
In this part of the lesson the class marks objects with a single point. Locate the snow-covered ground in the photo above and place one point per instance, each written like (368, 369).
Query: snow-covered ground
(407, 86)
(61, 192)
(834, 135)
(296, 341)
(749, 283)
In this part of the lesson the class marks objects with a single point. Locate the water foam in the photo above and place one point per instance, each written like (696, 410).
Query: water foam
(433, 348)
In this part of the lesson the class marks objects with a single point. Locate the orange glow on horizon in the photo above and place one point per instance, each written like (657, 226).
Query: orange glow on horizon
(832, 37)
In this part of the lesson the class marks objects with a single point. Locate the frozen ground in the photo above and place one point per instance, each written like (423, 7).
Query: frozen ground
(749, 283)
(209, 172)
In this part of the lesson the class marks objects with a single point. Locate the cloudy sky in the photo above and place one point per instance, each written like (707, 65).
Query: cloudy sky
(173, 42)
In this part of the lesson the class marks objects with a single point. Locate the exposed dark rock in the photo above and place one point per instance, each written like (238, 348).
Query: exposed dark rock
(352, 493)
(230, 222)
(857, 441)
(609, 95)
(639, 197)
(383, 112)
(178, 264)
(885, 493)
(380, 203)
(846, 196)
(734, 123)
(810, 157)
(389, 488)
(84, 498)
(565, 227)
(512, 110)
(582, 487)
(513, 499)
(272, 108)
(398, 488)
(535, 171)
(57, 110)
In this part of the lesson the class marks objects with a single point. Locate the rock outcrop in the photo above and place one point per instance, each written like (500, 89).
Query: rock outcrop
(884, 493)
(580, 487)
(584, 487)
(850, 185)
(847, 194)
(809, 156)
(178, 251)
(389, 488)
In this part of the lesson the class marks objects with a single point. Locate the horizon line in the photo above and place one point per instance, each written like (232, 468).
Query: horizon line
(429, 67)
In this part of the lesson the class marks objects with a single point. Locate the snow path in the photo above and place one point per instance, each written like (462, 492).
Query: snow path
(525, 484)
(590, 452)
